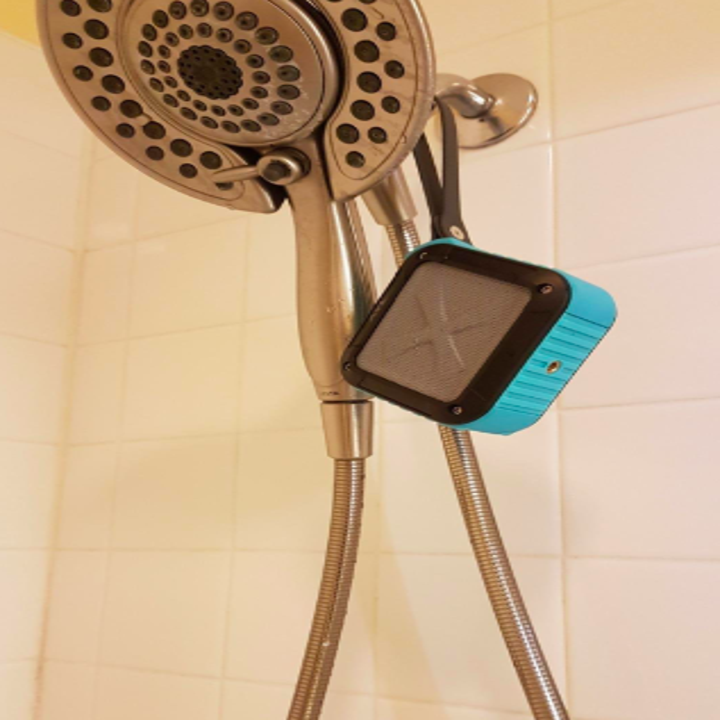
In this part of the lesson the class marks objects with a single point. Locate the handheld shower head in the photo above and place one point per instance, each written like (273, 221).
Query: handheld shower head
(250, 102)
(188, 88)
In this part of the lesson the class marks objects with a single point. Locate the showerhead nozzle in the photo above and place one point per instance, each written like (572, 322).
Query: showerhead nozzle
(189, 88)
(249, 102)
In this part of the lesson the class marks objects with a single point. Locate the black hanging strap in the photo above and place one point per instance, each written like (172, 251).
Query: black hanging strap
(443, 197)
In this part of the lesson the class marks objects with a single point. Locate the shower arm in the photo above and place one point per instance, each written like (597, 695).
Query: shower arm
(392, 206)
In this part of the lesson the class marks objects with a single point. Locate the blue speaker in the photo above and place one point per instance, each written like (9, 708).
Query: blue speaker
(477, 341)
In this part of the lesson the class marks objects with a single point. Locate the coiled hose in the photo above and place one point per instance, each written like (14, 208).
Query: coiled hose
(334, 595)
(507, 602)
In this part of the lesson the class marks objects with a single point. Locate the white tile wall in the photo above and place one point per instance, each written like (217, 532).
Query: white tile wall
(147, 697)
(263, 582)
(41, 144)
(166, 611)
(634, 60)
(67, 691)
(176, 494)
(196, 492)
(188, 280)
(437, 638)
(195, 371)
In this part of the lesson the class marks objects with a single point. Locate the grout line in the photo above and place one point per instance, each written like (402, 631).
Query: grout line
(640, 404)
(366, 554)
(638, 121)
(478, 44)
(39, 341)
(561, 505)
(17, 235)
(242, 299)
(577, 13)
(73, 310)
(708, 249)
(118, 454)
(165, 333)
(63, 154)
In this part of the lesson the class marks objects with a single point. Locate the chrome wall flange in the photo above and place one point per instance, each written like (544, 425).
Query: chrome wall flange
(490, 108)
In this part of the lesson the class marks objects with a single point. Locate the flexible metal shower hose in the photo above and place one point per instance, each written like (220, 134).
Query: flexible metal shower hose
(507, 602)
(334, 595)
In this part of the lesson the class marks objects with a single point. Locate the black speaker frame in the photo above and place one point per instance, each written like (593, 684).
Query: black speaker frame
(550, 296)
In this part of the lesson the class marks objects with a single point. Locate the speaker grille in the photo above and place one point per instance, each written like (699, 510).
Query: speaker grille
(441, 329)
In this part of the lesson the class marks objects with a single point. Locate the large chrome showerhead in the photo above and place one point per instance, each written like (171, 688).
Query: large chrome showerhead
(186, 89)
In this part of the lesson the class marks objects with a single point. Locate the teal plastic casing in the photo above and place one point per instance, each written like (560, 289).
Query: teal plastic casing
(546, 363)
(589, 315)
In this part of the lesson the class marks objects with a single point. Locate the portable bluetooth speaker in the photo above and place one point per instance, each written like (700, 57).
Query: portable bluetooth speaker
(477, 341)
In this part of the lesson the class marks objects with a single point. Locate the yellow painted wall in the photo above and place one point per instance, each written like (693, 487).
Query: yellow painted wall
(18, 18)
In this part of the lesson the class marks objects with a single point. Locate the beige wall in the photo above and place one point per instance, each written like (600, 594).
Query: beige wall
(39, 195)
(17, 17)
(196, 492)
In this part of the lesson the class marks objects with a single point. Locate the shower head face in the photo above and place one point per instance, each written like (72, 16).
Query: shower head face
(184, 88)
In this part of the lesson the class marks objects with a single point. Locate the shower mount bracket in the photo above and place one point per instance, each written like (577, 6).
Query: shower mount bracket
(490, 108)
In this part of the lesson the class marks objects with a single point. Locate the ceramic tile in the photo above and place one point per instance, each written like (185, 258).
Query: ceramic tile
(438, 641)
(271, 284)
(475, 21)
(634, 60)
(112, 202)
(75, 606)
(279, 590)
(32, 390)
(621, 470)
(123, 694)
(26, 78)
(495, 188)
(35, 286)
(401, 710)
(618, 191)
(166, 611)
(105, 295)
(640, 643)
(561, 8)
(67, 692)
(17, 691)
(189, 280)
(283, 491)
(183, 384)
(97, 393)
(658, 332)
(27, 494)
(87, 496)
(420, 508)
(43, 208)
(266, 701)
(22, 577)
(176, 494)
(276, 390)
(163, 210)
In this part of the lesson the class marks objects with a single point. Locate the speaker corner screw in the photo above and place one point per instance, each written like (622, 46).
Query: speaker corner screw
(456, 410)
(545, 289)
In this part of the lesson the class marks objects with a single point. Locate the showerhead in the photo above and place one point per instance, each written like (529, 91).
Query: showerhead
(190, 88)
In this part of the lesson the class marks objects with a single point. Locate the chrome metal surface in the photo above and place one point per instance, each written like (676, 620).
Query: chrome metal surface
(397, 103)
(336, 290)
(194, 61)
(335, 588)
(348, 430)
(294, 165)
(391, 201)
(523, 646)
(490, 108)
(520, 638)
